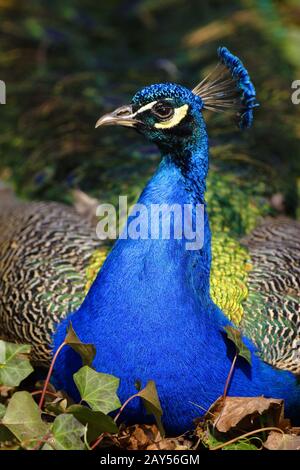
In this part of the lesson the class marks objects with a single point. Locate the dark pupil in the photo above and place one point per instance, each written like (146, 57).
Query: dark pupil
(163, 110)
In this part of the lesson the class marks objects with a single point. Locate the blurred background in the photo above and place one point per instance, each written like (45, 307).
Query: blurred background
(67, 62)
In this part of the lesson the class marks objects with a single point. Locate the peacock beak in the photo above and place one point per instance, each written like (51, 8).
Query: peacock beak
(123, 116)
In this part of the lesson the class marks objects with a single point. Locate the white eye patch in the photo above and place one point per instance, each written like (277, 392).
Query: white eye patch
(144, 108)
(179, 114)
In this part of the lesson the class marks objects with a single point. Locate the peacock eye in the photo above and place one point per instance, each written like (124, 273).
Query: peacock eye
(163, 110)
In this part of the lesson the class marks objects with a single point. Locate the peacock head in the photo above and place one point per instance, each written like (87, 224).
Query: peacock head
(169, 114)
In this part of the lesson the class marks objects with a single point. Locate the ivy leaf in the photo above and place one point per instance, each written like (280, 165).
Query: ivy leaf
(14, 363)
(97, 389)
(23, 419)
(152, 404)
(234, 335)
(86, 351)
(66, 432)
(96, 421)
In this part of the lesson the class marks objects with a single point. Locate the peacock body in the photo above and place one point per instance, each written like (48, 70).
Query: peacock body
(156, 310)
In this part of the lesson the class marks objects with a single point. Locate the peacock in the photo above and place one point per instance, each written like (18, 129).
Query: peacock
(157, 310)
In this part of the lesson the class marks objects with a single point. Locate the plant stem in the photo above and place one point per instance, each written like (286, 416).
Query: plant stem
(51, 394)
(99, 439)
(229, 376)
(124, 405)
(256, 431)
(49, 374)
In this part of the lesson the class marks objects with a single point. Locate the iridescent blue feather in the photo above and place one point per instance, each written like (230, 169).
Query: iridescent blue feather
(229, 87)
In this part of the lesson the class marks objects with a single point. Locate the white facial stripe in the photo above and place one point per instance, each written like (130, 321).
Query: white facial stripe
(179, 114)
(144, 108)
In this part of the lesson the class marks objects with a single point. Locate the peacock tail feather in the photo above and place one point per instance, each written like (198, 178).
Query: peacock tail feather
(232, 212)
(272, 310)
(96, 261)
(229, 275)
(45, 251)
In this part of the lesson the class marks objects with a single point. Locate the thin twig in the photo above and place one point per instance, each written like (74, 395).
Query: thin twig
(38, 392)
(232, 441)
(49, 374)
(229, 376)
(124, 405)
(99, 439)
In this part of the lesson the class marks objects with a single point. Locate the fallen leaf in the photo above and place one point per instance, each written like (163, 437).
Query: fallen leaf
(245, 413)
(279, 441)
(173, 443)
(139, 436)
(5, 391)
(148, 437)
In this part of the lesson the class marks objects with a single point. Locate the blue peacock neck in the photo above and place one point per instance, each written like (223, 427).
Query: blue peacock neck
(181, 179)
(190, 155)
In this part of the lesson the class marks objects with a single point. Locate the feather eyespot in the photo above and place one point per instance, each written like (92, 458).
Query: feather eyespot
(163, 110)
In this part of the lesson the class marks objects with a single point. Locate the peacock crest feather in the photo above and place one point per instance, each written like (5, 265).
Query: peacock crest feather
(229, 86)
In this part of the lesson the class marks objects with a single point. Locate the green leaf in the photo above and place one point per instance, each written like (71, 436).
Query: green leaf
(66, 432)
(243, 444)
(86, 351)
(234, 335)
(23, 419)
(152, 404)
(97, 389)
(14, 363)
(96, 421)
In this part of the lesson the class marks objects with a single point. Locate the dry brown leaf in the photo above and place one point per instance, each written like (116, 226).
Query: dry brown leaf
(244, 413)
(148, 437)
(139, 436)
(173, 443)
(5, 391)
(278, 441)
